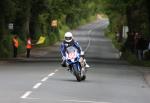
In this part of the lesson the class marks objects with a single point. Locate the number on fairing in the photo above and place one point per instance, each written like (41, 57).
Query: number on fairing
(71, 55)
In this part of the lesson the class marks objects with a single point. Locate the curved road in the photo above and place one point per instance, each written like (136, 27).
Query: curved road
(41, 79)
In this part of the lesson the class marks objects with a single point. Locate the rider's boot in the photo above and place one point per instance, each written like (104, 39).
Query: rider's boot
(63, 63)
(86, 65)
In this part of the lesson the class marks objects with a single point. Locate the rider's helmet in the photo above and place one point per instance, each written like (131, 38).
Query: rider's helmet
(68, 37)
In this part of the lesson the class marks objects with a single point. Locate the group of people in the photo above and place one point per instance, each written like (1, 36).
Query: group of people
(137, 44)
(15, 43)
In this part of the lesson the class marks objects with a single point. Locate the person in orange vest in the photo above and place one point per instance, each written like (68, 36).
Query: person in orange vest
(15, 43)
(28, 47)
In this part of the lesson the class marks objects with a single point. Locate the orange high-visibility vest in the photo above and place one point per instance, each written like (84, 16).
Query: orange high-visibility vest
(29, 45)
(16, 43)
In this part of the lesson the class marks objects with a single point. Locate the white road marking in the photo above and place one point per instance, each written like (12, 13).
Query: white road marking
(78, 101)
(56, 70)
(51, 74)
(26, 94)
(32, 98)
(37, 85)
(44, 79)
(89, 43)
(89, 31)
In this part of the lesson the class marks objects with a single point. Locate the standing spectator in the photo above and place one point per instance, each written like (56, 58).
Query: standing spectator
(15, 43)
(132, 42)
(120, 37)
(117, 36)
(149, 45)
(146, 52)
(28, 47)
(129, 43)
(136, 36)
(140, 46)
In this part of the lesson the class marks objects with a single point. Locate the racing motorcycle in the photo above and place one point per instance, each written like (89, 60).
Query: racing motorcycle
(75, 63)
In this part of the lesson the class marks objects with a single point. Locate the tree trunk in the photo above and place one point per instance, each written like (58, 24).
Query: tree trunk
(130, 19)
(2, 27)
(148, 9)
(26, 29)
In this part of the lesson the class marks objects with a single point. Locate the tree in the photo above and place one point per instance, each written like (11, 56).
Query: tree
(134, 13)
(22, 18)
(7, 10)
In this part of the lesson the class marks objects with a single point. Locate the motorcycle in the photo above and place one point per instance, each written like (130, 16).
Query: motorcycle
(75, 63)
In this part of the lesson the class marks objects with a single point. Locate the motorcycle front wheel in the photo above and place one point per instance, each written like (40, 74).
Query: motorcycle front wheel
(77, 73)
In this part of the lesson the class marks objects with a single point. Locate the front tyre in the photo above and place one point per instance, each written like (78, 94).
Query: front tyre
(78, 77)
(77, 73)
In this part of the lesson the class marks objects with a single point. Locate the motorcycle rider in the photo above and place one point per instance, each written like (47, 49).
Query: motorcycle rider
(69, 41)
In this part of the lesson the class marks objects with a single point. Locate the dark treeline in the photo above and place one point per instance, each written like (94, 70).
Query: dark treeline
(33, 17)
(133, 13)
(136, 15)
(30, 16)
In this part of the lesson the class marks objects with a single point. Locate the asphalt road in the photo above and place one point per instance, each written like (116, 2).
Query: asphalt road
(41, 79)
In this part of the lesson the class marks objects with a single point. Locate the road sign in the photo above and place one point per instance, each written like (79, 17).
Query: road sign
(125, 30)
(10, 26)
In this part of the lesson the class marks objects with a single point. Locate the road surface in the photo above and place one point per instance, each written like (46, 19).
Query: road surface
(41, 79)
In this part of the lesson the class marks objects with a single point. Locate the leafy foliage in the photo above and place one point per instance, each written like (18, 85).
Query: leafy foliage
(33, 17)
(133, 13)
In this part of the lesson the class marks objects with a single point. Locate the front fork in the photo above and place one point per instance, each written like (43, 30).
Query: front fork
(82, 62)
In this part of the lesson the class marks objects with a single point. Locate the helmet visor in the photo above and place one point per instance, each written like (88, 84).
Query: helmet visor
(68, 38)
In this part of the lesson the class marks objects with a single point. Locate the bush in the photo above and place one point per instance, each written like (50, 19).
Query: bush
(147, 55)
(62, 31)
(130, 57)
(52, 38)
(7, 49)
